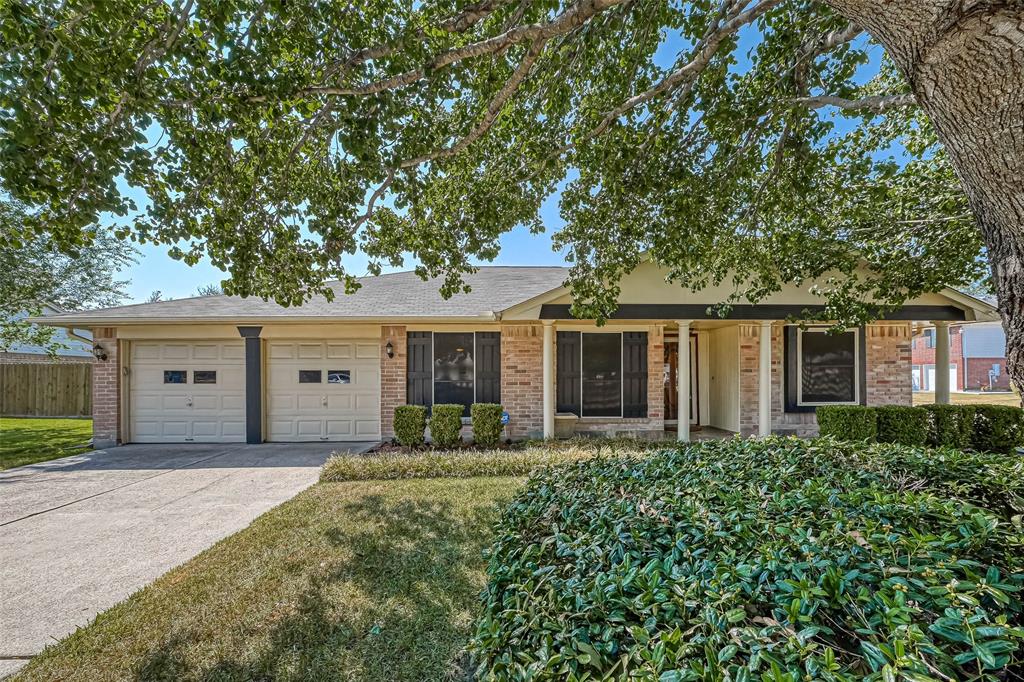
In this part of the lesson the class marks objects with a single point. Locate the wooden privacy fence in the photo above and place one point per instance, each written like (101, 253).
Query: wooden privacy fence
(38, 390)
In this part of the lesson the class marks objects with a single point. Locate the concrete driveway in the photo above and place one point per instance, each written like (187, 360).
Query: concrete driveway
(79, 534)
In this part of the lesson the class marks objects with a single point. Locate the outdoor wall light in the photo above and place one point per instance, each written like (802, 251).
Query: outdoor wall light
(389, 349)
(99, 353)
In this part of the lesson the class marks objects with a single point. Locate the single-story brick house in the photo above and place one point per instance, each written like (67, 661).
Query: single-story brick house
(222, 369)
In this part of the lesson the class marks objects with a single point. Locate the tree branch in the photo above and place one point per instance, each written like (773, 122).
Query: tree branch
(877, 103)
(576, 16)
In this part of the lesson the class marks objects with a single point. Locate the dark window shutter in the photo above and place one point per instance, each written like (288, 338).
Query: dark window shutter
(488, 367)
(634, 374)
(567, 373)
(419, 372)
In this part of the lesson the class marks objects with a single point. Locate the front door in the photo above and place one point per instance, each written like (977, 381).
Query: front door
(672, 378)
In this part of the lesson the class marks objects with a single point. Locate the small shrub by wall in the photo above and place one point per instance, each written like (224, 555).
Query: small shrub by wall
(902, 424)
(410, 424)
(950, 425)
(998, 428)
(446, 425)
(486, 419)
(847, 422)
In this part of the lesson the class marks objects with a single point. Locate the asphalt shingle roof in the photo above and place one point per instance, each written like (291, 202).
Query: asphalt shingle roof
(400, 294)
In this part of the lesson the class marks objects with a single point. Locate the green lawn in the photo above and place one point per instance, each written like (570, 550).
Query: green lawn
(27, 441)
(360, 580)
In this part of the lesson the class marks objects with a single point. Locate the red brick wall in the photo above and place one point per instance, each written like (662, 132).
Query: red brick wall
(106, 391)
(750, 349)
(976, 374)
(392, 377)
(922, 355)
(888, 349)
(656, 378)
(522, 379)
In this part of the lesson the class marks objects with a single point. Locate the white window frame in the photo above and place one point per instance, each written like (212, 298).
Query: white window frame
(857, 367)
(622, 383)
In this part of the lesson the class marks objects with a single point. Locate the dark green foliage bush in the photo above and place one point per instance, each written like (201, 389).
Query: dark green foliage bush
(950, 425)
(774, 560)
(446, 425)
(410, 423)
(902, 424)
(847, 422)
(486, 419)
(998, 428)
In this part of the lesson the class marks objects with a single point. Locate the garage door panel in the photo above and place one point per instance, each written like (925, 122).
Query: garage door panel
(339, 351)
(311, 351)
(187, 412)
(353, 397)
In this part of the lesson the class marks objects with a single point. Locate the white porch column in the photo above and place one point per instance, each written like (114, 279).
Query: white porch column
(683, 383)
(549, 379)
(941, 362)
(764, 381)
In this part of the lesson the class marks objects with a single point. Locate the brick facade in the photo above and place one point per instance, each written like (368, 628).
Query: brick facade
(975, 373)
(522, 379)
(888, 364)
(922, 354)
(106, 391)
(888, 381)
(392, 377)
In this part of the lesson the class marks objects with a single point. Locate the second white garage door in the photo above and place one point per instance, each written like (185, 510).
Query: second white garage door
(323, 390)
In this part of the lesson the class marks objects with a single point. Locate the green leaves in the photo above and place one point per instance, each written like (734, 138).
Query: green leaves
(778, 559)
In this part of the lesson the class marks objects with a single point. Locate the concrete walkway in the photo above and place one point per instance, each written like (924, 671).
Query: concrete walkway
(79, 534)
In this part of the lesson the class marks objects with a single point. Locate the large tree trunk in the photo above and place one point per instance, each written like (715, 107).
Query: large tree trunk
(964, 60)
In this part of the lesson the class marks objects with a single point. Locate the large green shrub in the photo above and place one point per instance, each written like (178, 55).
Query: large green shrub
(847, 422)
(902, 424)
(410, 423)
(998, 428)
(486, 418)
(950, 425)
(775, 559)
(446, 425)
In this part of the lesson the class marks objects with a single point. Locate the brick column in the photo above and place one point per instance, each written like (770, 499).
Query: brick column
(106, 391)
(888, 350)
(656, 377)
(522, 379)
(392, 377)
(750, 349)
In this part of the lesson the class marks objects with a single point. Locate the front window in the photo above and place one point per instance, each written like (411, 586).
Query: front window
(453, 369)
(602, 375)
(828, 367)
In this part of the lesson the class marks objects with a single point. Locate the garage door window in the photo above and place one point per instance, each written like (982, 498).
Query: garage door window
(310, 376)
(175, 376)
(339, 376)
(204, 376)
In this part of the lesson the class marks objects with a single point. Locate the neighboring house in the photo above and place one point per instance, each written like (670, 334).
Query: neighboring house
(226, 369)
(977, 358)
(74, 350)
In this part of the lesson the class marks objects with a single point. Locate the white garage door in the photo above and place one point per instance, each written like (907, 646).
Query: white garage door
(187, 392)
(323, 390)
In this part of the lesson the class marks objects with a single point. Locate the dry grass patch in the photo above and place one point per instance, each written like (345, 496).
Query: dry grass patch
(1011, 399)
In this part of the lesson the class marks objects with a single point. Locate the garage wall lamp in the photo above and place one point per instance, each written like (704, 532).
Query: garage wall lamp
(99, 353)
(389, 349)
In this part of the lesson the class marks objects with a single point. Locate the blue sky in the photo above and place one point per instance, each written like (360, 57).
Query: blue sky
(155, 270)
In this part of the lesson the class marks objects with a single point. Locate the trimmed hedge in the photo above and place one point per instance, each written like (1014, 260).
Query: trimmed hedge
(446, 425)
(847, 422)
(410, 424)
(988, 428)
(902, 424)
(487, 427)
(950, 425)
(777, 559)
(998, 428)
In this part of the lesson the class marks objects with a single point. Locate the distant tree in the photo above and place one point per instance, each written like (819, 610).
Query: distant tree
(156, 297)
(34, 272)
(209, 290)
